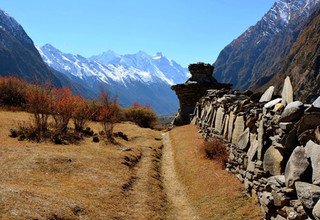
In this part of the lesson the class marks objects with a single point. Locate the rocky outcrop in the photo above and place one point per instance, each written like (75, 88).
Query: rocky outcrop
(190, 92)
(272, 146)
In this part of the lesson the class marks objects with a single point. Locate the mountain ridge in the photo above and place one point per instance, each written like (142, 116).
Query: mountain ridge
(255, 56)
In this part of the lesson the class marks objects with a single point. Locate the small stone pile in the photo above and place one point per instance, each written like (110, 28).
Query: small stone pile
(273, 145)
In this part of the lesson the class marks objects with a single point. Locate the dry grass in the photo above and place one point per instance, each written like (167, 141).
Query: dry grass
(214, 193)
(86, 181)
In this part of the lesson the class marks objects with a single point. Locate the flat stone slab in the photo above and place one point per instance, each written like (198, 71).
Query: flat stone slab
(267, 95)
(296, 166)
(287, 92)
(292, 112)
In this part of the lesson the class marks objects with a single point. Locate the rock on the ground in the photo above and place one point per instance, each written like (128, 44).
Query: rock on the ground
(313, 152)
(308, 194)
(267, 95)
(296, 166)
(292, 112)
(272, 103)
(272, 161)
(287, 91)
(244, 140)
(316, 211)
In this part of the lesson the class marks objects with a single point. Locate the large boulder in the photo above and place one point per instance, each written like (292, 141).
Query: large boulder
(313, 152)
(296, 166)
(292, 112)
(267, 95)
(308, 194)
(287, 92)
(272, 161)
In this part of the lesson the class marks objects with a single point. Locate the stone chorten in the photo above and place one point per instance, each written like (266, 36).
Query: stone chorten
(191, 91)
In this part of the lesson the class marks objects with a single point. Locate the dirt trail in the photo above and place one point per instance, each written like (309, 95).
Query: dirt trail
(179, 207)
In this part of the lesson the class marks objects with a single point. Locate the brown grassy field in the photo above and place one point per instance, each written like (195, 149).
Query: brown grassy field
(86, 181)
(213, 192)
(126, 181)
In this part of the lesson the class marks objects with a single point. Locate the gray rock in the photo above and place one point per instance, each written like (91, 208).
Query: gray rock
(231, 126)
(316, 211)
(272, 161)
(251, 166)
(260, 138)
(286, 126)
(238, 129)
(272, 103)
(287, 92)
(313, 152)
(244, 139)
(253, 147)
(296, 166)
(308, 194)
(292, 112)
(219, 120)
(267, 95)
(316, 103)
(308, 121)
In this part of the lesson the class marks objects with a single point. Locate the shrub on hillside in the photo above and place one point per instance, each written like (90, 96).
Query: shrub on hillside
(143, 116)
(109, 114)
(215, 150)
(12, 92)
(83, 111)
(63, 107)
(39, 103)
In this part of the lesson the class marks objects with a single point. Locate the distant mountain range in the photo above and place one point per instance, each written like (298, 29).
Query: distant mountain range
(132, 78)
(260, 53)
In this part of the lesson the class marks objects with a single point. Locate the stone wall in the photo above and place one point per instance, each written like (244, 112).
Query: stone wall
(273, 146)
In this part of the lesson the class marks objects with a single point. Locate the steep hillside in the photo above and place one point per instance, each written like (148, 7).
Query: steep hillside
(133, 78)
(303, 62)
(252, 59)
(18, 56)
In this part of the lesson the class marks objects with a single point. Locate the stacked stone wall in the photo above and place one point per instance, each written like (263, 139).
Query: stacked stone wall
(273, 147)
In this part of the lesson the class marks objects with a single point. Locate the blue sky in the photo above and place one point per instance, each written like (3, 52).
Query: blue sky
(184, 30)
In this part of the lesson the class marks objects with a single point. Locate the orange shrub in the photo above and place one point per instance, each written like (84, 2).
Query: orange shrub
(63, 106)
(143, 116)
(39, 104)
(83, 111)
(12, 92)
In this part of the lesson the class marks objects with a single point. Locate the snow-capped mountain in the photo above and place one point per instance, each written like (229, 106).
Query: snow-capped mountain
(133, 77)
(253, 57)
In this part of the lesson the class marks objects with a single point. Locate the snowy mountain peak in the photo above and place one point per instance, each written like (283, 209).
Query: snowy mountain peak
(158, 55)
(10, 25)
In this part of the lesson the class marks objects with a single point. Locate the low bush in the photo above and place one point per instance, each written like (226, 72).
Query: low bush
(143, 116)
(12, 92)
(83, 111)
(215, 150)
(39, 104)
(109, 114)
(63, 106)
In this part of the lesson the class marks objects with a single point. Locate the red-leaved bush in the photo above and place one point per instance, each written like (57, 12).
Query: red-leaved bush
(39, 103)
(83, 111)
(109, 114)
(63, 106)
